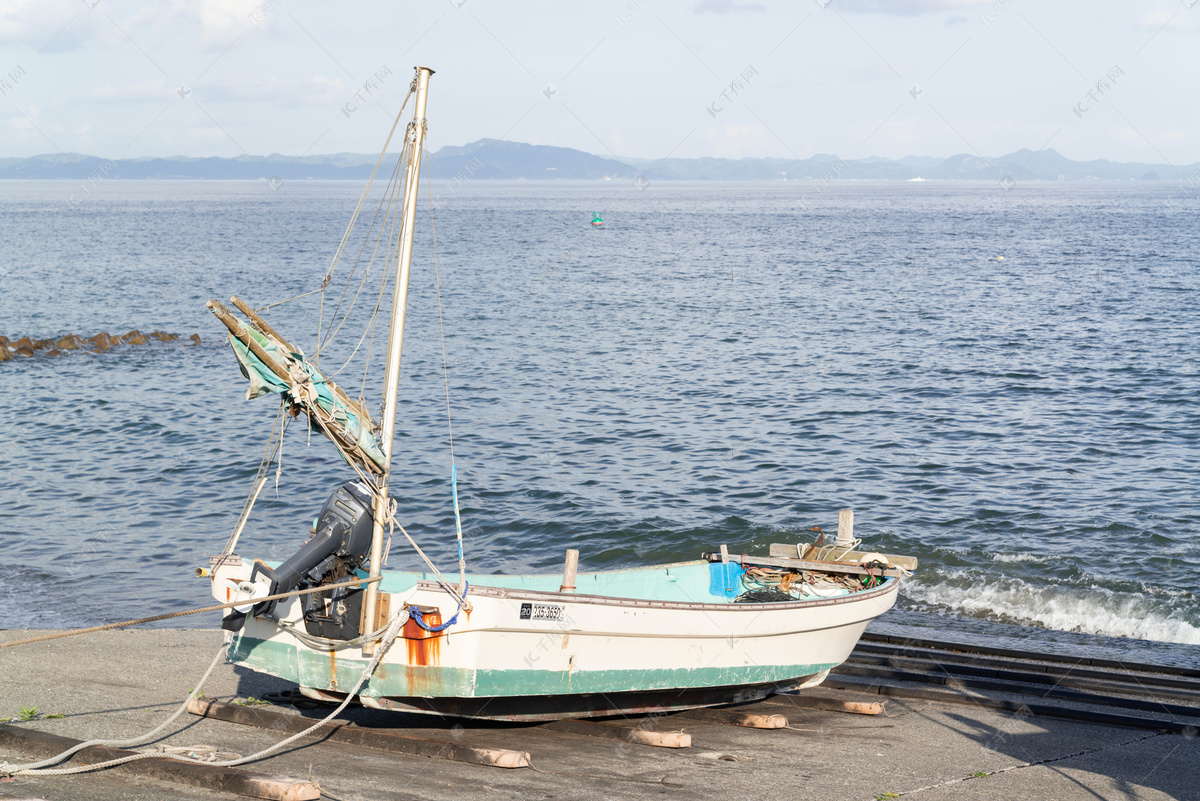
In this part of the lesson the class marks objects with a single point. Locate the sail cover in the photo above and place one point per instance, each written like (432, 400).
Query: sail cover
(272, 367)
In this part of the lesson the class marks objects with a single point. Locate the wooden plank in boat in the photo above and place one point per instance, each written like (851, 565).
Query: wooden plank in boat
(851, 558)
(797, 564)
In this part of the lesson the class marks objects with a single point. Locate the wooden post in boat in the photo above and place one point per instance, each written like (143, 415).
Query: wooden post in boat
(569, 568)
(415, 137)
(845, 535)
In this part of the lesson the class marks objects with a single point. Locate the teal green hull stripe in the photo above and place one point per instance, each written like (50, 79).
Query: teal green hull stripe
(316, 669)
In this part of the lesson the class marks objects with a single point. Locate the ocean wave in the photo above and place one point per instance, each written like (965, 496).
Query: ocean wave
(1017, 557)
(1091, 610)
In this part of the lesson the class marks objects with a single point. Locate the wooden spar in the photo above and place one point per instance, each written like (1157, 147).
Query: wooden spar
(851, 558)
(261, 324)
(239, 330)
(569, 568)
(265, 328)
(799, 564)
(415, 137)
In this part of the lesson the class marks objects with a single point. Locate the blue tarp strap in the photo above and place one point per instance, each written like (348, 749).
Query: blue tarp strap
(415, 613)
(457, 517)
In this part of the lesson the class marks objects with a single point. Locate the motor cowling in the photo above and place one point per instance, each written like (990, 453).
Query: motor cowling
(337, 549)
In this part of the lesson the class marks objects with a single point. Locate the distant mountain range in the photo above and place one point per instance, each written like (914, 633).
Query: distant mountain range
(492, 159)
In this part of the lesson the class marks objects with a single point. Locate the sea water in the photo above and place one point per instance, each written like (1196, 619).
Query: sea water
(1002, 382)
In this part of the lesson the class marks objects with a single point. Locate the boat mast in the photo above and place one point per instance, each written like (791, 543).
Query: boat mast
(391, 382)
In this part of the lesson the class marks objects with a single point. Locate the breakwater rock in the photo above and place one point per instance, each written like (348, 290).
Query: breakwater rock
(98, 343)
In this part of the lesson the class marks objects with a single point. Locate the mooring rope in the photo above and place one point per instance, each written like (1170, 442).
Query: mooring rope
(170, 615)
(150, 735)
(36, 769)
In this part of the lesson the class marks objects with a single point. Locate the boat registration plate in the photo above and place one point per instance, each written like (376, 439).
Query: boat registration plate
(541, 612)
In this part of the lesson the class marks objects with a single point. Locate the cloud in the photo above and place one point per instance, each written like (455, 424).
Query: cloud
(322, 91)
(905, 8)
(139, 92)
(1156, 19)
(222, 21)
(50, 27)
(232, 88)
(22, 22)
(737, 141)
(727, 7)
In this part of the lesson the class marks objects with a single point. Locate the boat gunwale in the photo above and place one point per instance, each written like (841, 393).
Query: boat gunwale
(550, 596)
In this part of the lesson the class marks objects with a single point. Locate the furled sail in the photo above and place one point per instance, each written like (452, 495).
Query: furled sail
(273, 365)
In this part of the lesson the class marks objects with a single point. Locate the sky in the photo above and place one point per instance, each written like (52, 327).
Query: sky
(628, 78)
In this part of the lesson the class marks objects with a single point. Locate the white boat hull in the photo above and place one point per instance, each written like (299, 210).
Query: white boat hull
(526, 654)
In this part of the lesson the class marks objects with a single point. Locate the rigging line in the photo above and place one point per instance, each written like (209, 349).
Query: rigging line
(358, 259)
(374, 325)
(325, 427)
(321, 288)
(437, 282)
(341, 299)
(391, 506)
(259, 482)
(354, 219)
(269, 451)
(366, 274)
(366, 190)
(279, 452)
(458, 595)
(393, 187)
(387, 257)
(320, 320)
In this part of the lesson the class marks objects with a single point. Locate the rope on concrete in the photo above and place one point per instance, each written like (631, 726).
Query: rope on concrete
(6, 768)
(35, 769)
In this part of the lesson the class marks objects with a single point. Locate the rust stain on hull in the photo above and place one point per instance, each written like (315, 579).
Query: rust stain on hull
(424, 647)
(333, 669)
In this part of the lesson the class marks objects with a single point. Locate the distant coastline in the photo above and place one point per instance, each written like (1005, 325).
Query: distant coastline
(491, 159)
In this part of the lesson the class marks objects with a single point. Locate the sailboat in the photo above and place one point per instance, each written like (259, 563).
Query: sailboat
(719, 629)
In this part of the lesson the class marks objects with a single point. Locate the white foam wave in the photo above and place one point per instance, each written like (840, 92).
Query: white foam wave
(1017, 557)
(1092, 610)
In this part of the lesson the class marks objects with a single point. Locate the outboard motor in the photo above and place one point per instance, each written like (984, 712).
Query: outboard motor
(335, 551)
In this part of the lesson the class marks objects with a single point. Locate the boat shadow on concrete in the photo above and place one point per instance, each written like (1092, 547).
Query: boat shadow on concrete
(276, 690)
(1133, 759)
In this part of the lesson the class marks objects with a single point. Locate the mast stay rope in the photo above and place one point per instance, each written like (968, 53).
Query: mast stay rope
(437, 281)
